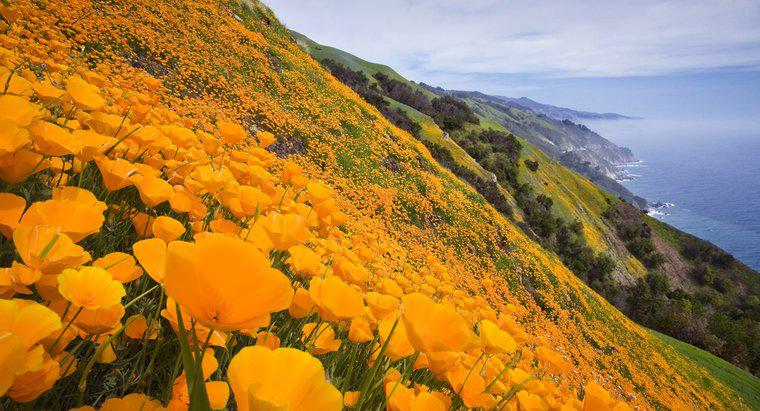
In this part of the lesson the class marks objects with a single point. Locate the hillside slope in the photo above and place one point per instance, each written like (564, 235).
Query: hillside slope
(701, 281)
(227, 60)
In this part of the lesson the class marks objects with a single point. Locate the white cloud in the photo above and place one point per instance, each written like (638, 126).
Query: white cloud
(547, 38)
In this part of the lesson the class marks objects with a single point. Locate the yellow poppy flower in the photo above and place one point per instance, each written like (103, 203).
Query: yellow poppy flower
(285, 379)
(224, 282)
(90, 287)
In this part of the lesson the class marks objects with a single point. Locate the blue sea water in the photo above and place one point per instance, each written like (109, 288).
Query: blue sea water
(709, 173)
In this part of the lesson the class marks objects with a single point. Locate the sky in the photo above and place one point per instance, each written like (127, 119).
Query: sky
(655, 59)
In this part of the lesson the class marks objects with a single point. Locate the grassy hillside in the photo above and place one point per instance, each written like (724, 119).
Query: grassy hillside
(321, 52)
(392, 222)
(746, 384)
(576, 199)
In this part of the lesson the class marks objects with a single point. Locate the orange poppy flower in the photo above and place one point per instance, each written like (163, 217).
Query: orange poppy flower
(137, 327)
(304, 261)
(495, 341)
(286, 230)
(215, 338)
(218, 391)
(12, 360)
(47, 249)
(399, 345)
(46, 92)
(167, 228)
(266, 138)
(253, 200)
(284, 378)
(321, 339)
(79, 196)
(132, 402)
(435, 327)
(53, 140)
(335, 300)
(529, 401)
(359, 331)
(471, 388)
(18, 109)
(350, 398)
(231, 133)
(553, 362)
(267, 339)
(90, 287)
(116, 173)
(99, 321)
(153, 190)
(224, 282)
(76, 220)
(23, 163)
(121, 266)
(30, 385)
(84, 95)
(151, 254)
(302, 304)
(143, 224)
(14, 137)
(11, 209)
(28, 320)
(381, 305)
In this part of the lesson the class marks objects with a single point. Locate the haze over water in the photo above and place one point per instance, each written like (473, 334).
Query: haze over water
(710, 172)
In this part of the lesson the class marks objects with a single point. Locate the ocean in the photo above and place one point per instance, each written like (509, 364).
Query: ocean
(706, 175)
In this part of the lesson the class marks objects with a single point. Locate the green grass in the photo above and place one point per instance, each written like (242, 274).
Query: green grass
(744, 383)
(320, 52)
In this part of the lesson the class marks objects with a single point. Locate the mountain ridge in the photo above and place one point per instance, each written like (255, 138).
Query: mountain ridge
(564, 113)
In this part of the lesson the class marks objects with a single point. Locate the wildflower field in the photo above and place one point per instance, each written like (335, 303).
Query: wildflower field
(195, 215)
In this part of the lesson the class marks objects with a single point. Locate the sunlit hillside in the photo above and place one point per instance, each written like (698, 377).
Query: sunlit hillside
(196, 214)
